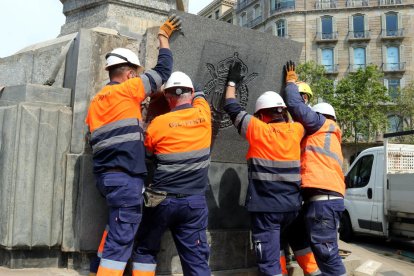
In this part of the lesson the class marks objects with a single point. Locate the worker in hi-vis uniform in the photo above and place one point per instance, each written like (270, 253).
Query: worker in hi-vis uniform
(273, 195)
(180, 143)
(323, 185)
(117, 140)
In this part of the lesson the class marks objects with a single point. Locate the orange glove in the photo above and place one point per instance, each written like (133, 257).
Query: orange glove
(172, 24)
(290, 74)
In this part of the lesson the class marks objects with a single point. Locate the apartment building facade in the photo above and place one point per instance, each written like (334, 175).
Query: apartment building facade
(220, 10)
(342, 35)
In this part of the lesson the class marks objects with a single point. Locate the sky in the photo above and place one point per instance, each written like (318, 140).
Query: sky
(26, 22)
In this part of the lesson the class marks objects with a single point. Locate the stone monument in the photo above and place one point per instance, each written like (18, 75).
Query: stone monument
(50, 209)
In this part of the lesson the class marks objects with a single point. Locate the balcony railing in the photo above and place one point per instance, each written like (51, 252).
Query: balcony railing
(325, 4)
(393, 67)
(392, 34)
(357, 3)
(282, 6)
(356, 67)
(331, 69)
(243, 3)
(325, 37)
(389, 2)
(253, 23)
(359, 35)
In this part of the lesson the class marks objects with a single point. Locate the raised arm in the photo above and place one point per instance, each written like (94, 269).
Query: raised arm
(162, 71)
(300, 112)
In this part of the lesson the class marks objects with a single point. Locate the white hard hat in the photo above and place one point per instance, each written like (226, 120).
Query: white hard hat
(179, 79)
(119, 56)
(324, 108)
(269, 99)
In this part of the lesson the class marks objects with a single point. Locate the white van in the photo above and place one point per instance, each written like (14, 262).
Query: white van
(379, 197)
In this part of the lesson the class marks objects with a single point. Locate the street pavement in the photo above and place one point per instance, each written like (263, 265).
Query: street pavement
(393, 264)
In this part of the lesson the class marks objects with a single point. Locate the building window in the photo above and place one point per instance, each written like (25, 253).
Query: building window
(281, 28)
(230, 21)
(391, 24)
(359, 58)
(394, 88)
(327, 27)
(328, 59)
(395, 123)
(243, 19)
(217, 14)
(278, 5)
(393, 58)
(257, 12)
(359, 26)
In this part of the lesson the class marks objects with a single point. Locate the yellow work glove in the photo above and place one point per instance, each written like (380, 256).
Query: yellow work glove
(172, 24)
(290, 74)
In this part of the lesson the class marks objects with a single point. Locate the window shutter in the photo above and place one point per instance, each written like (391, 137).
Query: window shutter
(351, 23)
(402, 82)
(366, 23)
(286, 28)
(334, 28)
(318, 25)
(402, 54)
(319, 55)
(400, 25)
(383, 24)
(335, 57)
(367, 56)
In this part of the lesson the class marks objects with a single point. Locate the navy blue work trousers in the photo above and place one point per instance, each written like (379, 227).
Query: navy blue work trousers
(322, 223)
(187, 219)
(266, 233)
(123, 195)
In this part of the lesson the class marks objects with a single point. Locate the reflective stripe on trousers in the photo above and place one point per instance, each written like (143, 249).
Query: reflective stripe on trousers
(141, 269)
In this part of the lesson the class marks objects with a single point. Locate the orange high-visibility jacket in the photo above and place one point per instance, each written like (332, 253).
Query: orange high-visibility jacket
(180, 141)
(322, 159)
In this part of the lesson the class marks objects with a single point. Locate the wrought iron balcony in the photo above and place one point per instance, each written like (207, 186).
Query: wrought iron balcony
(356, 67)
(325, 4)
(282, 6)
(243, 3)
(357, 3)
(331, 69)
(392, 34)
(389, 2)
(359, 35)
(254, 22)
(393, 67)
(327, 37)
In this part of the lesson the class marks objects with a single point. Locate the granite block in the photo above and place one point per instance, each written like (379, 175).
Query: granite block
(205, 49)
(36, 93)
(226, 196)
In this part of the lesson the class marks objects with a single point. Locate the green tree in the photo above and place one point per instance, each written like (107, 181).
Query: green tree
(361, 103)
(403, 108)
(315, 75)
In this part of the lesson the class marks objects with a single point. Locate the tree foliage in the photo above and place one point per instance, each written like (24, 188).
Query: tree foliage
(360, 99)
(403, 108)
(315, 75)
(361, 103)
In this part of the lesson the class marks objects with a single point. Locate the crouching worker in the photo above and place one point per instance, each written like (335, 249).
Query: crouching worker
(180, 142)
(273, 196)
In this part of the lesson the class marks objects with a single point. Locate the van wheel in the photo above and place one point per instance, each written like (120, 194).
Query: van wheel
(345, 228)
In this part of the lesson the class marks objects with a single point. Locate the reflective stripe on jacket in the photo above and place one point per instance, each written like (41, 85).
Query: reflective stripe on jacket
(180, 141)
(274, 164)
(114, 119)
(322, 159)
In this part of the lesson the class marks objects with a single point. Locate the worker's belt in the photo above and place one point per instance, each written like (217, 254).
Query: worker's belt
(115, 170)
(324, 197)
(176, 195)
